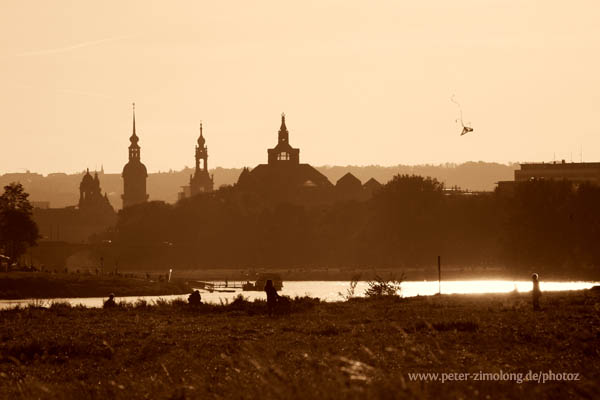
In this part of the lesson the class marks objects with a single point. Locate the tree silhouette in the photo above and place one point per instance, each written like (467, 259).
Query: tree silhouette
(17, 228)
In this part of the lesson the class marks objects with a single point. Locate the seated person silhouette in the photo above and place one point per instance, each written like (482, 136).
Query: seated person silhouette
(272, 296)
(110, 302)
(194, 298)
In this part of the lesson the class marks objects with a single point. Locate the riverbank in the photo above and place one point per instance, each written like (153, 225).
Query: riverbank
(23, 285)
(449, 272)
(355, 349)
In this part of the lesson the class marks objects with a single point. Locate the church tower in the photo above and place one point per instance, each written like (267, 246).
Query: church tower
(201, 181)
(283, 153)
(134, 173)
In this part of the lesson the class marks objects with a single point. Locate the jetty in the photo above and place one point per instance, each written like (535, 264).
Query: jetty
(218, 286)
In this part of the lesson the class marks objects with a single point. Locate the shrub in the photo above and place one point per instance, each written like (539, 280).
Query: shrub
(160, 302)
(141, 303)
(240, 303)
(350, 291)
(303, 303)
(60, 305)
(37, 303)
(179, 303)
(239, 300)
(380, 286)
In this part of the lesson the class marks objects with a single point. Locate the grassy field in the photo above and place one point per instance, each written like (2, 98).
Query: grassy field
(25, 285)
(355, 349)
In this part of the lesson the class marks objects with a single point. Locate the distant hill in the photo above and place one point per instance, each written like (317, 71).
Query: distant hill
(62, 190)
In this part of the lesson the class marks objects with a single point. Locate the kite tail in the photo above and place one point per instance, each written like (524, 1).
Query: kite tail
(459, 109)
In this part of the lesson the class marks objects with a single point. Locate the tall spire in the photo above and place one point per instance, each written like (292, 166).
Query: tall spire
(283, 132)
(134, 148)
(201, 140)
(134, 172)
(134, 138)
(200, 180)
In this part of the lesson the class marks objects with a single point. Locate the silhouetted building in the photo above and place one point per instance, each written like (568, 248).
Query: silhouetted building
(575, 172)
(134, 173)
(42, 205)
(371, 186)
(201, 181)
(90, 195)
(77, 224)
(284, 177)
(349, 187)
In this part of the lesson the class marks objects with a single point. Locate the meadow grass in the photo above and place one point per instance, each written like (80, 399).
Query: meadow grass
(354, 349)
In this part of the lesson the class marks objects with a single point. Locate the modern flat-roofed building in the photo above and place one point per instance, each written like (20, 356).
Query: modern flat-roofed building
(575, 172)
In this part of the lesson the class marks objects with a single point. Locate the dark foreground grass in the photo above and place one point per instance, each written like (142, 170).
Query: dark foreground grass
(357, 349)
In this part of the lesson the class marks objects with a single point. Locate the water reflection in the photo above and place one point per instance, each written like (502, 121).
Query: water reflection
(329, 291)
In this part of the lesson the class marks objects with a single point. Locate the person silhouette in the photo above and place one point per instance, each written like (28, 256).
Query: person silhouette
(272, 296)
(536, 293)
(110, 302)
(194, 299)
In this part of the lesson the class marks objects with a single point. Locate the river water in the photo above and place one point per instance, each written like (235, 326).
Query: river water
(329, 291)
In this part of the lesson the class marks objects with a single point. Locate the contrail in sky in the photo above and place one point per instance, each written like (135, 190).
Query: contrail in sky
(67, 91)
(71, 48)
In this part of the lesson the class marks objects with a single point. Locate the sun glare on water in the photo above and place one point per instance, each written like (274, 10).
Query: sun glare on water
(486, 286)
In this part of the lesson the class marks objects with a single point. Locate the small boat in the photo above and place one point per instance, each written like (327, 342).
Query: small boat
(261, 280)
(204, 285)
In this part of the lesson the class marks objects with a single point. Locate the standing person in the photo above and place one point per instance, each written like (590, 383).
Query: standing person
(536, 293)
(272, 296)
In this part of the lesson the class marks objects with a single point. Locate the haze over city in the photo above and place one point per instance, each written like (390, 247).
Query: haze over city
(360, 85)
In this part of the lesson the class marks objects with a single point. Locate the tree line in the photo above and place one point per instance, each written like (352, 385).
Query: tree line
(407, 223)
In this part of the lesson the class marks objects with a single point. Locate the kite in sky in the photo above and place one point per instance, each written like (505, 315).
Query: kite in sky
(466, 128)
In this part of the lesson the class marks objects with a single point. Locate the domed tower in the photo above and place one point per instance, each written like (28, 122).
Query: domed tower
(201, 181)
(86, 188)
(134, 173)
(90, 194)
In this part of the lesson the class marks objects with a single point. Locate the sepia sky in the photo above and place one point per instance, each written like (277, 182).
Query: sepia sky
(361, 82)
